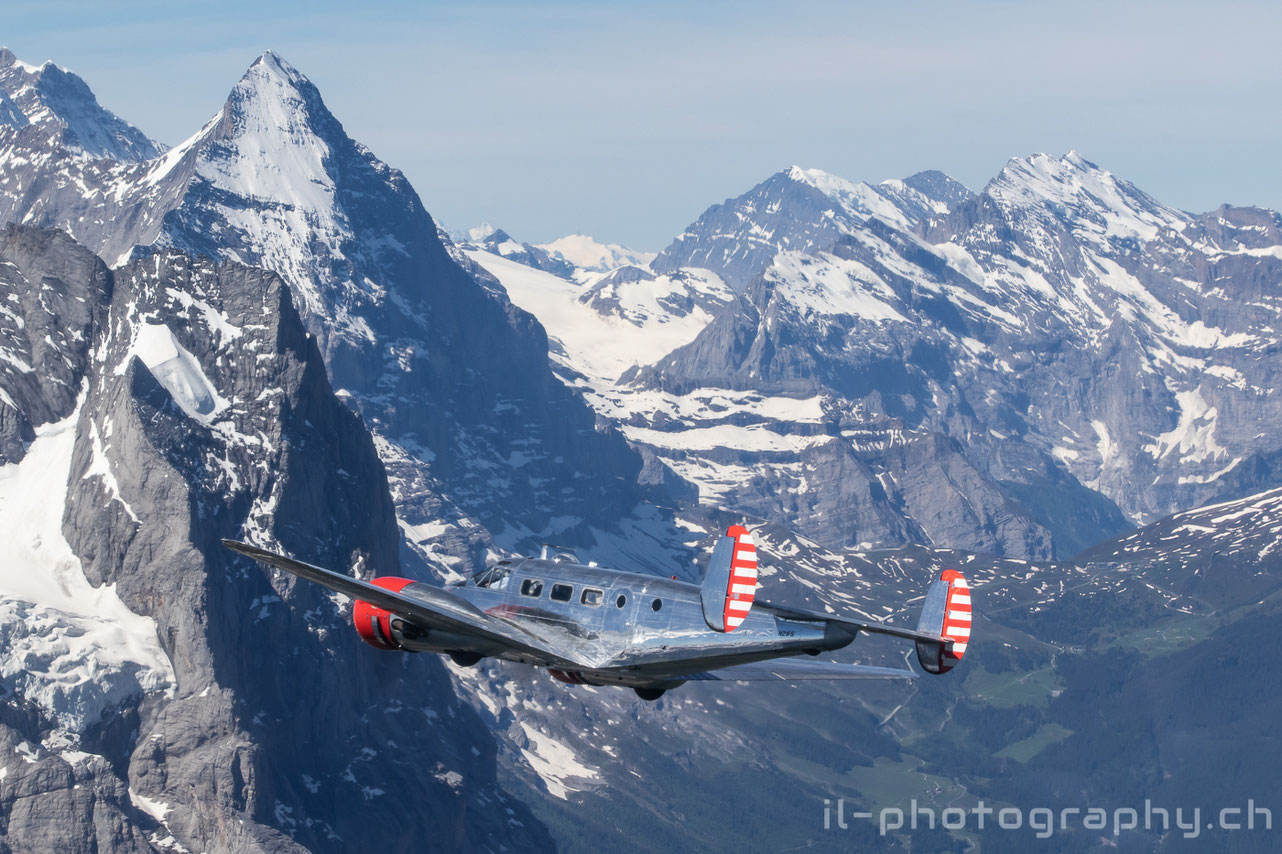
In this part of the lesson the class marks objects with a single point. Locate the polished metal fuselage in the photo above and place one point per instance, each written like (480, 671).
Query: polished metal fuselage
(645, 631)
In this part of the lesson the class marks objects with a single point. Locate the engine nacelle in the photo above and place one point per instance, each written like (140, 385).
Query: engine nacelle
(374, 624)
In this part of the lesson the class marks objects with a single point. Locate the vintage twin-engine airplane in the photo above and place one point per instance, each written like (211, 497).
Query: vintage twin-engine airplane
(593, 626)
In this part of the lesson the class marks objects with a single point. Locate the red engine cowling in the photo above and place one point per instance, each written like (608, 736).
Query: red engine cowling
(374, 624)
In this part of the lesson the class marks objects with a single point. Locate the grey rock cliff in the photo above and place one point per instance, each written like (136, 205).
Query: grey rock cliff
(53, 295)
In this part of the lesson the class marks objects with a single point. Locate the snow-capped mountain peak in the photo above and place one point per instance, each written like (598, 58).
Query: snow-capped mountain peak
(903, 203)
(55, 100)
(475, 234)
(264, 169)
(8, 59)
(802, 210)
(1073, 187)
(271, 84)
(587, 253)
(272, 62)
(274, 119)
(925, 196)
(859, 200)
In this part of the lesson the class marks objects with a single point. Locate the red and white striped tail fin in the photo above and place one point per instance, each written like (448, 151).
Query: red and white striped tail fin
(946, 613)
(956, 614)
(730, 582)
(742, 587)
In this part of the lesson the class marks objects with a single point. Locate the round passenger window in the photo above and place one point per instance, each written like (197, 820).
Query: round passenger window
(656, 604)
(621, 601)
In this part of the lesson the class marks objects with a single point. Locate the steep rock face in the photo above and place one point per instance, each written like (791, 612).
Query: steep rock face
(76, 661)
(1170, 318)
(53, 295)
(208, 414)
(300, 471)
(1235, 229)
(62, 802)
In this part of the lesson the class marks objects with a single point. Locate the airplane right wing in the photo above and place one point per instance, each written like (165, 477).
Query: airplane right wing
(790, 670)
(429, 607)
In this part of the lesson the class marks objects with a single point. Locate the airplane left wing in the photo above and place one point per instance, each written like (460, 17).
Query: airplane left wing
(789, 670)
(429, 607)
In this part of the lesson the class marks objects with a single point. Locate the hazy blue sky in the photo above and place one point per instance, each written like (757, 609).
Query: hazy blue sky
(627, 120)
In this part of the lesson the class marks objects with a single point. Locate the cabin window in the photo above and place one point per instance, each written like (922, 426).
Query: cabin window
(621, 601)
(656, 604)
(532, 587)
(561, 592)
(592, 596)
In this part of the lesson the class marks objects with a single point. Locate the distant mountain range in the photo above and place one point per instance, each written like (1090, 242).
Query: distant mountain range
(262, 333)
(1025, 371)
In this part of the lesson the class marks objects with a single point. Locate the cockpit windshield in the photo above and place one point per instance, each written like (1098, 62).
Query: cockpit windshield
(495, 577)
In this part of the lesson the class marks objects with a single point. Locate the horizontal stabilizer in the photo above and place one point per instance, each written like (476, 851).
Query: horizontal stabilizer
(791, 670)
(941, 635)
(866, 626)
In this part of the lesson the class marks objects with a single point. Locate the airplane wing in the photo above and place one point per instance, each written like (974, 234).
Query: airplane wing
(430, 607)
(789, 670)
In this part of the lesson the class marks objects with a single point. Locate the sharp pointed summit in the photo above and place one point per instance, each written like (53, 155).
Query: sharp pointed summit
(272, 85)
